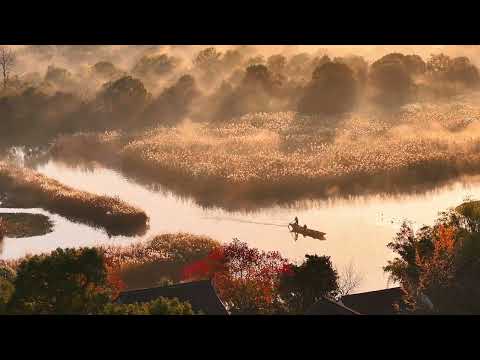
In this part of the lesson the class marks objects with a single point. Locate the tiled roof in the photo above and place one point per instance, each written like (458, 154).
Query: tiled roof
(380, 302)
(200, 294)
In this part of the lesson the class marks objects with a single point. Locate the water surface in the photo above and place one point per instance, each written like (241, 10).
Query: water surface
(358, 228)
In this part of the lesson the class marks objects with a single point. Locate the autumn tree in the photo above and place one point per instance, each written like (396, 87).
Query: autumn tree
(7, 62)
(246, 279)
(438, 266)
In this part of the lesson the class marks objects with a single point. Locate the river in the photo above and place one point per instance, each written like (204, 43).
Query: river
(358, 228)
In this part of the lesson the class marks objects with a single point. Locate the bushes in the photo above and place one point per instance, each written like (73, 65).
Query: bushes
(160, 306)
(332, 90)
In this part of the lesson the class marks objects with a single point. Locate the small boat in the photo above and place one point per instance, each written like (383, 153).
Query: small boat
(306, 231)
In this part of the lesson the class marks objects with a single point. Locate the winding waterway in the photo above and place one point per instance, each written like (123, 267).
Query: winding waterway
(358, 228)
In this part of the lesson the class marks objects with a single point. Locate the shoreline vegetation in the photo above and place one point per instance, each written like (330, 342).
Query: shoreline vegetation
(19, 225)
(265, 159)
(24, 188)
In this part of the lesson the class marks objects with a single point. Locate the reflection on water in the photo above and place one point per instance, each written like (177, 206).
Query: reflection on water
(357, 228)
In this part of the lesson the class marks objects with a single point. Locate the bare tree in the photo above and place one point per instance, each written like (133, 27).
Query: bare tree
(7, 61)
(349, 279)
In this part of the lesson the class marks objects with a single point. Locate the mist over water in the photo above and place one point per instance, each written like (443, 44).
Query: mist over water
(238, 140)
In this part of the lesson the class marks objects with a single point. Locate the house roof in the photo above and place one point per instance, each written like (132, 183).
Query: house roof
(380, 302)
(200, 294)
(326, 306)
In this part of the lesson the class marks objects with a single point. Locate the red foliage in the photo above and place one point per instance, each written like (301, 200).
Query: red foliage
(114, 279)
(247, 279)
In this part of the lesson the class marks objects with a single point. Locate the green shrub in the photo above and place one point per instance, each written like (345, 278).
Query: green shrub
(161, 306)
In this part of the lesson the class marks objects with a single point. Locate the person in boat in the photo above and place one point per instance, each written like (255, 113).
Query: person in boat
(295, 221)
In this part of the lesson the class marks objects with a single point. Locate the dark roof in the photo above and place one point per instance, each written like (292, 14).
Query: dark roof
(380, 302)
(327, 306)
(200, 294)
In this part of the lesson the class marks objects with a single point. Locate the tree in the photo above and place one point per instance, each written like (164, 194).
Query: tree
(358, 65)
(105, 69)
(231, 59)
(67, 281)
(57, 75)
(438, 266)
(7, 61)
(246, 279)
(349, 280)
(157, 65)
(207, 59)
(332, 90)
(124, 97)
(277, 63)
(391, 81)
(258, 76)
(460, 70)
(174, 103)
(302, 285)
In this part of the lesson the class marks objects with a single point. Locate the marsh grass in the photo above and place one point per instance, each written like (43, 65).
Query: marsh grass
(28, 189)
(275, 158)
(158, 260)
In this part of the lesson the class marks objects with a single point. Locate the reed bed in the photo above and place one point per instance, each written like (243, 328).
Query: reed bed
(284, 156)
(28, 189)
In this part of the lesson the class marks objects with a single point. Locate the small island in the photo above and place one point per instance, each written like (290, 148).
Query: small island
(19, 225)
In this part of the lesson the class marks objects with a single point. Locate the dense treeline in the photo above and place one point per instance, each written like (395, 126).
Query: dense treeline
(247, 280)
(163, 89)
(87, 285)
